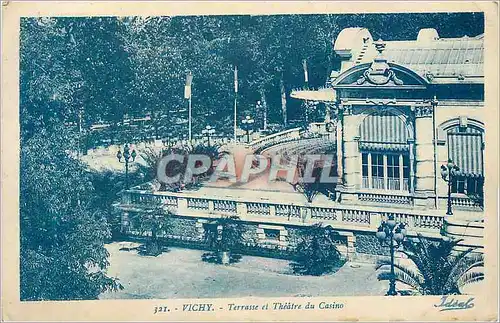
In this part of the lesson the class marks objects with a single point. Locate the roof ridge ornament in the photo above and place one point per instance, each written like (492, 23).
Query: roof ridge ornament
(379, 73)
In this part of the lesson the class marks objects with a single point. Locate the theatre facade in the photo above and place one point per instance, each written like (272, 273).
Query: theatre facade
(402, 113)
(402, 109)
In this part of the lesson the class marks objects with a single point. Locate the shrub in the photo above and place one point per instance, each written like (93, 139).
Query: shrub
(316, 252)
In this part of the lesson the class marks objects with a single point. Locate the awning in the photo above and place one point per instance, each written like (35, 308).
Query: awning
(382, 146)
(324, 95)
(465, 149)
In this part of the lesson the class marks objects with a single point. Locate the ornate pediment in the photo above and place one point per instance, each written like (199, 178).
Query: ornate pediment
(379, 73)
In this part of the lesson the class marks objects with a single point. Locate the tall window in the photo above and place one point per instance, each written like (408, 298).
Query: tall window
(377, 165)
(465, 148)
(385, 171)
(384, 146)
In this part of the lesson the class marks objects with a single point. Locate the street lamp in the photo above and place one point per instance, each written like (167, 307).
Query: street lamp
(247, 125)
(392, 235)
(260, 109)
(208, 132)
(128, 157)
(448, 173)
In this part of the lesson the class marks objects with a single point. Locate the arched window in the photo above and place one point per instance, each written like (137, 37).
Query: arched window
(384, 148)
(465, 149)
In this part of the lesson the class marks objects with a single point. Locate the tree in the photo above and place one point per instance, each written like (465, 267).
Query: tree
(153, 156)
(62, 229)
(310, 188)
(436, 269)
(154, 219)
(316, 253)
(224, 235)
(107, 186)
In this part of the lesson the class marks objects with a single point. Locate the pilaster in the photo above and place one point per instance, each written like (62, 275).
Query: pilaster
(424, 155)
(350, 157)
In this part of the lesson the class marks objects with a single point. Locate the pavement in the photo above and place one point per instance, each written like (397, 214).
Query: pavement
(180, 273)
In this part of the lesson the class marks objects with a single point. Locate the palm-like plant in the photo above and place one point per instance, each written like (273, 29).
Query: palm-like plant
(223, 235)
(317, 253)
(154, 219)
(438, 269)
(152, 158)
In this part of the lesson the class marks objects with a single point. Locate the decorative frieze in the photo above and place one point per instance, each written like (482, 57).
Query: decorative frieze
(381, 102)
(423, 111)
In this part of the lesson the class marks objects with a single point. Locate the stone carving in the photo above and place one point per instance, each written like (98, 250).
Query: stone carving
(381, 101)
(429, 76)
(379, 72)
(423, 111)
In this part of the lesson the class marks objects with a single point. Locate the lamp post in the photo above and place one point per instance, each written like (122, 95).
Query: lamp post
(260, 109)
(128, 157)
(392, 235)
(448, 173)
(247, 125)
(208, 132)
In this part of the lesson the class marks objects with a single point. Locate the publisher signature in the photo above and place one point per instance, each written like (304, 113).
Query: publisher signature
(449, 303)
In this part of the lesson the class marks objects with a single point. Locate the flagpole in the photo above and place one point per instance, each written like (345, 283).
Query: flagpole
(190, 125)
(235, 99)
(187, 95)
(235, 102)
(306, 76)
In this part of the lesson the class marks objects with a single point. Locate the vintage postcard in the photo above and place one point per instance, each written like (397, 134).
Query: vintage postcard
(249, 161)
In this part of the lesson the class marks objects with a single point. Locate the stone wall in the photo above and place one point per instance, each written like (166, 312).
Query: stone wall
(190, 232)
(367, 243)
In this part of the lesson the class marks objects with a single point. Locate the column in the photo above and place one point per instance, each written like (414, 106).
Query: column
(385, 172)
(351, 157)
(401, 176)
(241, 210)
(424, 156)
(338, 136)
(370, 184)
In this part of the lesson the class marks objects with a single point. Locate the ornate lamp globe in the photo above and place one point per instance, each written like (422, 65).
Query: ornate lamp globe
(391, 223)
(444, 172)
(450, 163)
(402, 228)
(398, 236)
(380, 233)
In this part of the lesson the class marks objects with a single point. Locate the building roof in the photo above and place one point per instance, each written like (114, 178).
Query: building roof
(441, 58)
(429, 56)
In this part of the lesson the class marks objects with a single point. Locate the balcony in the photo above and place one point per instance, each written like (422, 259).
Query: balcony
(376, 192)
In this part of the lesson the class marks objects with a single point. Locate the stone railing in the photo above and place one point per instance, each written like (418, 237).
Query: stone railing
(347, 217)
(275, 138)
(392, 197)
(464, 201)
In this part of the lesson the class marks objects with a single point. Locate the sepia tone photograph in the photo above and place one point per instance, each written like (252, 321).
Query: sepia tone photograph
(303, 157)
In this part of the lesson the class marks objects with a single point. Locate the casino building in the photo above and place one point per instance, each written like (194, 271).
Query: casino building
(402, 109)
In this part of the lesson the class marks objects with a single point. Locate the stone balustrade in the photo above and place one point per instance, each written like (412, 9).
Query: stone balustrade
(345, 217)
(274, 139)
(464, 202)
(392, 197)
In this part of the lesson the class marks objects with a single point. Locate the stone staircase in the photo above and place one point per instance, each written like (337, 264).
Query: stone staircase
(468, 227)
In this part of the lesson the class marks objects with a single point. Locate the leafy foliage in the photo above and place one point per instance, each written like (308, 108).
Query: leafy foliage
(224, 234)
(437, 268)
(63, 229)
(107, 186)
(156, 220)
(310, 188)
(316, 252)
(153, 156)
